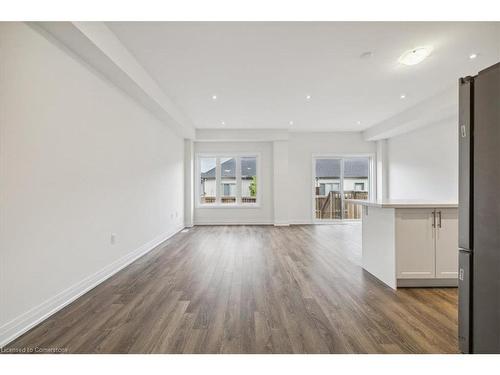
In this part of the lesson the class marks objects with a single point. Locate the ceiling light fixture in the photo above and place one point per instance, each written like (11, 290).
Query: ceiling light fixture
(415, 56)
(214, 97)
(366, 55)
(472, 56)
(402, 96)
(308, 97)
(359, 122)
(223, 123)
(291, 122)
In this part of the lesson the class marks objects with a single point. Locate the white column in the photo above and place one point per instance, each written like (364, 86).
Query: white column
(188, 182)
(280, 183)
(382, 170)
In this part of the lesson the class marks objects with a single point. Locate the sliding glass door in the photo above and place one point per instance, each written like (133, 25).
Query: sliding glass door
(327, 189)
(337, 179)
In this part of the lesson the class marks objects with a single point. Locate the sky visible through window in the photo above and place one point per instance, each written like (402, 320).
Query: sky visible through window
(206, 164)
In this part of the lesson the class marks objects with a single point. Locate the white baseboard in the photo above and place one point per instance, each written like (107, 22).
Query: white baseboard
(301, 222)
(252, 223)
(275, 224)
(16, 327)
(239, 223)
(423, 283)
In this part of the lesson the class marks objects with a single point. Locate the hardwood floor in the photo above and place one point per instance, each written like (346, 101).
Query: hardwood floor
(253, 289)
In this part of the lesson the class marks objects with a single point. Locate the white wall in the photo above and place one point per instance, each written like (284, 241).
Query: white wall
(230, 215)
(281, 184)
(188, 182)
(79, 160)
(381, 170)
(301, 148)
(423, 164)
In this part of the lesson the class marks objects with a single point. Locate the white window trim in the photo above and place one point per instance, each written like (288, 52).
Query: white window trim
(217, 203)
(371, 179)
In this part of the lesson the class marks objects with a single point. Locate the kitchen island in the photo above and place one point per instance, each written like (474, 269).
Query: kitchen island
(409, 243)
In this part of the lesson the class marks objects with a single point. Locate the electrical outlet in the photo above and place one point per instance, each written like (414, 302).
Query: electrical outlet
(112, 239)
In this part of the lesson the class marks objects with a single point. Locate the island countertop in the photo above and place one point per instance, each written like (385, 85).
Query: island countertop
(410, 242)
(403, 203)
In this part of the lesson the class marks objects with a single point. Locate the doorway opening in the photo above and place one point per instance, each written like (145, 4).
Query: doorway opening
(336, 179)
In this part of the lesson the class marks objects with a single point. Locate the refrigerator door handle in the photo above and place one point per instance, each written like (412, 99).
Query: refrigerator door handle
(434, 219)
(439, 217)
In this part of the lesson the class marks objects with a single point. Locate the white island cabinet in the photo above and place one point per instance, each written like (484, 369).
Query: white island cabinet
(410, 243)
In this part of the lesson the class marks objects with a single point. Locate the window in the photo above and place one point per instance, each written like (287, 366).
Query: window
(228, 190)
(248, 179)
(326, 188)
(207, 187)
(227, 180)
(359, 186)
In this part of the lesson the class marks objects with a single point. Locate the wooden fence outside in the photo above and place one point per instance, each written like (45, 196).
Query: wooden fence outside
(329, 207)
(227, 200)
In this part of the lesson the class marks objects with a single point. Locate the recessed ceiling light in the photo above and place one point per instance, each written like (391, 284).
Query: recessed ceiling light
(366, 55)
(472, 56)
(214, 97)
(291, 122)
(359, 122)
(402, 96)
(415, 56)
(308, 97)
(223, 123)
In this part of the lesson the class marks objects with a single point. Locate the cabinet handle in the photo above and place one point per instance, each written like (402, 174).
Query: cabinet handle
(434, 219)
(439, 222)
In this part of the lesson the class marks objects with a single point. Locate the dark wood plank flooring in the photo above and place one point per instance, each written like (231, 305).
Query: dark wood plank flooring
(253, 289)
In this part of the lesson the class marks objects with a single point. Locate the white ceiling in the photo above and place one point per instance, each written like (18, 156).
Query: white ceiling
(261, 72)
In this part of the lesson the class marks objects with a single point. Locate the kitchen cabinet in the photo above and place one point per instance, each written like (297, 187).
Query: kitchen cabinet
(410, 243)
(427, 243)
(415, 243)
(447, 243)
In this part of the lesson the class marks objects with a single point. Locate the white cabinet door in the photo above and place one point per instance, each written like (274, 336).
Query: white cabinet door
(415, 243)
(447, 243)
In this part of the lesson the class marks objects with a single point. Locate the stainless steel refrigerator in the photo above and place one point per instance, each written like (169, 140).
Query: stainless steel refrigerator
(479, 212)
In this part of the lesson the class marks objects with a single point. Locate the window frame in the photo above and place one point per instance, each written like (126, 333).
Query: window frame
(359, 183)
(218, 180)
(331, 184)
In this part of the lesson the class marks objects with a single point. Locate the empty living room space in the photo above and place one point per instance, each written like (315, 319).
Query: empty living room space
(237, 186)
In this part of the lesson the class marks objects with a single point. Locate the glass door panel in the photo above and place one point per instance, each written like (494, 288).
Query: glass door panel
(337, 179)
(327, 198)
(356, 185)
